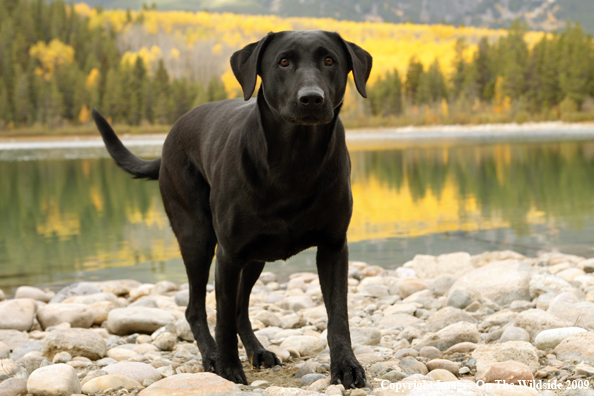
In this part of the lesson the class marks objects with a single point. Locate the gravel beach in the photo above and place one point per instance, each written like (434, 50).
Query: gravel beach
(497, 323)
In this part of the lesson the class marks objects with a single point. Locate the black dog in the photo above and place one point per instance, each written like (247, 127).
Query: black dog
(262, 181)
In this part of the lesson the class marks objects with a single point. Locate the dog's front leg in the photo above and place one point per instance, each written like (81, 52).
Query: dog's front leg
(227, 277)
(332, 263)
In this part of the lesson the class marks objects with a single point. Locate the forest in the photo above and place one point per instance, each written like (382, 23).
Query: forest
(146, 68)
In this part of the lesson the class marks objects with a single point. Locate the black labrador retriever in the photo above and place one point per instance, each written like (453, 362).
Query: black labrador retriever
(262, 180)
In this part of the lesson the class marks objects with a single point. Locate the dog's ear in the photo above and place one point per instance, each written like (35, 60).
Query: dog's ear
(245, 64)
(360, 63)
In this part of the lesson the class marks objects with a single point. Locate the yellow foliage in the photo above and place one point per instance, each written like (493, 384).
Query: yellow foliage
(51, 55)
(174, 53)
(148, 56)
(92, 78)
(84, 115)
(444, 107)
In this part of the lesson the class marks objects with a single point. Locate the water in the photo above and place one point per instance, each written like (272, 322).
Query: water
(70, 214)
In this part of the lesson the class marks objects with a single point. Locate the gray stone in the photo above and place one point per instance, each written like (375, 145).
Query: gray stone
(451, 335)
(535, 320)
(135, 370)
(410, 365)
(579, 314)
(519, 351)
(137, 320)
(54, 380)
(577, 348)
(77, 342)
(165, 341)
(78, 315)
(365, 336)
(549, 339)
(23, 349)
(32, 363)
(309, 379)
(309, 367)
(398, 320)
(513, 333)
(442, 284)
(183, 330)
(62, 357)
(110, 381)
(459, 299)
(499, 281)
(75, 289)
(545, 282)
(182, 298)
(13, 338)
(34, 293)
(9, 369)
(430, 267)
(447, 316)
(296, 303)
(17, 314)
(14, 387)
(443, 364)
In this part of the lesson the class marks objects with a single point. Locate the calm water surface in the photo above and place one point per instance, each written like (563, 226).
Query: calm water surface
(67, 218)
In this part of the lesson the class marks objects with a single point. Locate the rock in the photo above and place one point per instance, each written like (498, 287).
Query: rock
(549, 339)
(451, 335)
(278, 391)
(463, 347)
(577, 348)
(27, 347)
(398, 320)
(9, 369)
(499, 281)
(510, 372)
(410, 365)
(519, 351)
(513, 333)
(135, 370)
(34, 293)
(17, 314)
(535, 320)
(296, 303)
(183, 330)
(365, 336)
(77, 342)
(299, 342)
(309, 367)
(268, 318)
(13, 338)
(165, 341)
(137, 320)
(442, 375)
(430, 352)
(14, 387)
(190, 385)
(54, 380)
(443, 364)
(182, 298)
(309, 379)
(447, 316)
(482, 259)
(580, 314)
(62, 357)
(75, 289)
(104, 382)
(32, 363)
(545, 282)
(459, 299)
(78, 315)
(570, 274)
(430, 267)
(442, 284)
(120, 353)
(406, 287)
(312, 348)
(4, 351)
(400, 308)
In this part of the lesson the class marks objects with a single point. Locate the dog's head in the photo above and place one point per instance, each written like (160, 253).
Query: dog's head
(303, 73)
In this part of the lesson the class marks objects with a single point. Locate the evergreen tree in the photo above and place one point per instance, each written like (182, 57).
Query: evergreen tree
(515, 60)
(413, 78)
(112, 99)
(5, 113)
(459, 76)
(22, 99)
(216, 90)
(385, 96)
(137, 89)
(575, 65)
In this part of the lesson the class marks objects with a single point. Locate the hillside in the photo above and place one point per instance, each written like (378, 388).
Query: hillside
(539, 14)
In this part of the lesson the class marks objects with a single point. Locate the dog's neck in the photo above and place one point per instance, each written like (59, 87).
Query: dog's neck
(290, 142)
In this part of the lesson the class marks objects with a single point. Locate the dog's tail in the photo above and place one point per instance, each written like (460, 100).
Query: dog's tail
(140, 168)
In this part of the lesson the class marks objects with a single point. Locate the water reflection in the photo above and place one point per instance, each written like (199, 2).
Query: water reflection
(63, 220)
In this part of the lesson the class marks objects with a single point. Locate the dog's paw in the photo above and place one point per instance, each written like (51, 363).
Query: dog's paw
(264, 358)
(348, 372)
(231, 372)
(209, 364)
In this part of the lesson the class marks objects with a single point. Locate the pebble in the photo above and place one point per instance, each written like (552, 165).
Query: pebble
(309, 379)
(443, 364)
(54, 380)
(577, 348)
(451, 335)
(535, 321)
(509, 372)
(4, 351)
(77, 315)
(135, 370)
(190, 385)
(17, 314)
(75, 289)
(110, 381)
(410, 365)
(137, 320)
(513, 333)
(549, 339)
(77, 342)
(519, 351)
(34, 293)
(14, 387)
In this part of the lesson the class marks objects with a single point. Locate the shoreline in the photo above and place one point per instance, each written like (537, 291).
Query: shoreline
(478, 323)
(356, 138)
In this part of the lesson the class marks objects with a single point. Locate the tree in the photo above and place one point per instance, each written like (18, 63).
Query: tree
(413, 78)
(515, 60)
(385, 96)
(459, 65)
(112, 100)
(575, 64)
(22, 99)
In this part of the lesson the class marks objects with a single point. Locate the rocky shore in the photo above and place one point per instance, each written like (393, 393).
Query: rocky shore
(497, 323)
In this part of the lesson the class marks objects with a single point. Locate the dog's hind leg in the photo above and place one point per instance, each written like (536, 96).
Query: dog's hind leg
(257, 354)
(192, 225)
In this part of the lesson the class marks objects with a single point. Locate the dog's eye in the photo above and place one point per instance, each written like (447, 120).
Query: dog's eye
(329, 61)
(284, 62)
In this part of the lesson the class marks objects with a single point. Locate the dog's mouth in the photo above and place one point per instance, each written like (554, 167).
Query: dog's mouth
(319, 117)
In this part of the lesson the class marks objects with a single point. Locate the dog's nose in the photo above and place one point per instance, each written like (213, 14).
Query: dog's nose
(311, 96)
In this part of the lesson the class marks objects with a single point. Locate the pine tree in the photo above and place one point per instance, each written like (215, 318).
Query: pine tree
(459, 75)
(216, 90)
(137, 88)
(413, 78)
(112, 104)
(22, 99)
(575, 66)
(5, 112)
(515, 65)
